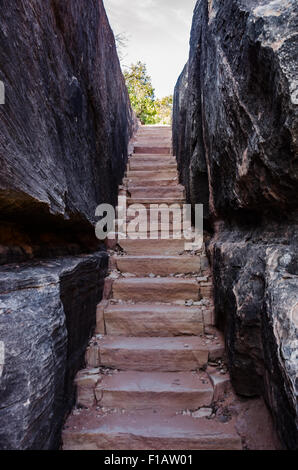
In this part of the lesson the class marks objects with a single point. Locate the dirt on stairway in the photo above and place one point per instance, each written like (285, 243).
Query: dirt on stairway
(155, 374)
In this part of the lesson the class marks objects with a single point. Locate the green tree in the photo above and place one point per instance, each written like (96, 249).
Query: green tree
(164, 109)
(141, 93)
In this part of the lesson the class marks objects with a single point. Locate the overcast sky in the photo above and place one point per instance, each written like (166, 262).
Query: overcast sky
(158, 33)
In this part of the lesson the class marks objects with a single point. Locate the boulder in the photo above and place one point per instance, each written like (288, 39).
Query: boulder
(65, 126)
(235, 137)
(47, 317)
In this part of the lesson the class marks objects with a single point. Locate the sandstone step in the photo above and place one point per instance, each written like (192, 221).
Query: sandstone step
(158, 140)
(147, 165)
(158, 265)
(147, 431)
(152, 157)
(149, 175)
(153, 247)
(155, 290)
(153, 320)
(166, 150)
(135, 181)
(133, 390)
(157, 191)
(163, 354)
(169, 201)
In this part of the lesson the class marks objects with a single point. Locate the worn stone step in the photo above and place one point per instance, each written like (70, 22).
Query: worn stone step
(155, 290)
(157, 192)
(153, 320)
(132, 182)
(153, 247)
(133, 390)
(163, 354)
(150, 202)
(158, 265)
(147, 431)
(158, 142)
(147, 165)
(152, 175)
(166, 150)
(152, 158)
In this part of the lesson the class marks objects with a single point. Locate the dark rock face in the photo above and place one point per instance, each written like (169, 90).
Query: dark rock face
(64, 134)
(64, 129)
(47, 316)
(235, 136)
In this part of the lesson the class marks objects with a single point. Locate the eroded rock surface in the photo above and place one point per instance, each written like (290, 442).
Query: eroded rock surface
(235, 136)
(64, 134)
(64, 129)
(47, 316)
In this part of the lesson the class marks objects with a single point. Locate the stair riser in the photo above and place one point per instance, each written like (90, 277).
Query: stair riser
(148, 201)
(140, 157)
(156, 192)
(137, 181)
(155, 150)
(154, 360)
(150, 175)
(142, 400)
(155, 293)
(150, 166)
(122, 441)
(152, 247)
(161, 267)
(147, 326)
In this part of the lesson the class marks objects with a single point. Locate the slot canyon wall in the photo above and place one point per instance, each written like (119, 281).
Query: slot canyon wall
(235, 137)
(64, 134)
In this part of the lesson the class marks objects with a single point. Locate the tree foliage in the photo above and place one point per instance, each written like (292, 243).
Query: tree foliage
(164, 108)
(142, 96)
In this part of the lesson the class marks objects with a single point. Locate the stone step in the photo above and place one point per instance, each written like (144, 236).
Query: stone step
(166, 150)
(152, 175)
(153, 320)
(135, 181)
(152, 247)
(133, 390)
(140, 157)
(147, 431)
(163, 354)
(147, 165)
(158, 142)
(147, 201)
(155, 290)
(158, 265)
(157, 191)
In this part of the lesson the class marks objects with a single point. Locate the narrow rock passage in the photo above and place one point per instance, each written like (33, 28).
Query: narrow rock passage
(155, 368)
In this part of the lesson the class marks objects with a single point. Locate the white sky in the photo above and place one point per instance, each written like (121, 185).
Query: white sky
(158, 33)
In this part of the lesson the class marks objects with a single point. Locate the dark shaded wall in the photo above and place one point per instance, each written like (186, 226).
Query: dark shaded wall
(64, 135)
(235, 137)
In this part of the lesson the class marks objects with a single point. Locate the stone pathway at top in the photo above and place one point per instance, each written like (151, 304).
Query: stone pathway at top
(155, 372)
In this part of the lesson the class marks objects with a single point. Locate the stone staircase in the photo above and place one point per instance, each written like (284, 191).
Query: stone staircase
(155, 367)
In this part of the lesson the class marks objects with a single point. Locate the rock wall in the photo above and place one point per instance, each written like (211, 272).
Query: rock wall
(64, 129)
(47, 316)
(64, 134)
(235, 137)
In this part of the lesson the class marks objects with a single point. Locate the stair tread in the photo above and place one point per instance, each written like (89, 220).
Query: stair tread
(148, 307)
(145, 281)
(157, 381)
(146, 429)
(181, 343)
